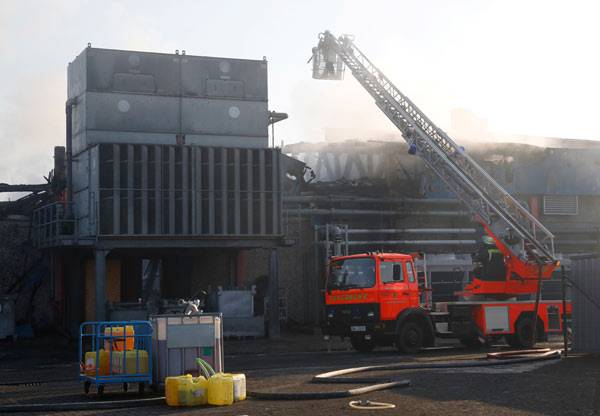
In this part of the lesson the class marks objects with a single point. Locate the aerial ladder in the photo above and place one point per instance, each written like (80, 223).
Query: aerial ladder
(525, 243)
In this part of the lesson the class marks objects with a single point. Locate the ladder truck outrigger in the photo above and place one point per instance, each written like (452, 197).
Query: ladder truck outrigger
(375, 298)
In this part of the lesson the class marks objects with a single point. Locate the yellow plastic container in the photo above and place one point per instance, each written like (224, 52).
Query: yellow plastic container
(186, 390)
(220, 389)
(136, 362)
(90, 363)
(119, 344)
(172, 387)
(239, 387)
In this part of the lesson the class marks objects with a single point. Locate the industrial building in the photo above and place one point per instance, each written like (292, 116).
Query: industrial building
(167, 188)
(165, 182)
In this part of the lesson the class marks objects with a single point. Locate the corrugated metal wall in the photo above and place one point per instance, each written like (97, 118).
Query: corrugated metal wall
(586, 323)
(155, 98)
(187, 190)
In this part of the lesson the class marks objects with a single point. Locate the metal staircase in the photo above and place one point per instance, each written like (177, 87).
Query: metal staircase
(494, 206)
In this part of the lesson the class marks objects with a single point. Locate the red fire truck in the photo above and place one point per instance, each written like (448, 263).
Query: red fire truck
(374, 298)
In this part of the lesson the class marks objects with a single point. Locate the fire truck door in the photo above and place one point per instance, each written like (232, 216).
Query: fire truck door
(393, 294)
(412, 285)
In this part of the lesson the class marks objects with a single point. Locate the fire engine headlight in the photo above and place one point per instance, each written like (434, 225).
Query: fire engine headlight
(370, 314)
(330, 314)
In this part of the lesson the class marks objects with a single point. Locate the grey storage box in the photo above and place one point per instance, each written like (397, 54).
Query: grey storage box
(179, 339)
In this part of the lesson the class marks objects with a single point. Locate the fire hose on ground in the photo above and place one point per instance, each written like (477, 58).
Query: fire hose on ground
(332, 377)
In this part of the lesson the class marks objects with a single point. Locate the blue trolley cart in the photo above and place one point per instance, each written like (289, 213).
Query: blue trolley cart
(115, 352)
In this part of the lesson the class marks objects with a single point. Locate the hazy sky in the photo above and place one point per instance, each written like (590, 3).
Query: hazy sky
(528, 67)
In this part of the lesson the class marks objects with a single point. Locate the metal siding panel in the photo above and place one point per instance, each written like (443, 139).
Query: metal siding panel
(94, 169)
(279, 194)
(129, 137)
(158, 189)
(82, 193)
(198, 189)
(77, 76)
(211, 190)
(124, 92)
(130, 200)
(224, 117)
(185, 172)
(131, 112)
(250, 191)
(223, 190)
(116, 189)
(236, 190)
(171, 167)
(104, 64)
(192, 186)
(274, 186)
(145, 193)
(586, 326)
(254, 142)
(196, 70)
(262, 196)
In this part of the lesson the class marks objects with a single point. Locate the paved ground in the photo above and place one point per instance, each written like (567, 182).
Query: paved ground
(567, 387)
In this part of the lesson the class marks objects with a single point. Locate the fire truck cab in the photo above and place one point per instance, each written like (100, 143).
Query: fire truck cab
(374, 299)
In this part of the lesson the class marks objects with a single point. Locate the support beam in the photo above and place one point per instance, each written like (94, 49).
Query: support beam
(372, 212)
(4, 187)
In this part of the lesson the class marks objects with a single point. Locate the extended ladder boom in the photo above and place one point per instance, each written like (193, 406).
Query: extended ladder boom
(501, 214)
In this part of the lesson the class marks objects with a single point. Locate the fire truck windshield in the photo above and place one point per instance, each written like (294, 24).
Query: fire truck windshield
(351, 273)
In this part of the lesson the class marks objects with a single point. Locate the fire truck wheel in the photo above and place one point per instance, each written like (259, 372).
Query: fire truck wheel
(523, 333)
(360, 344)
(409, 339)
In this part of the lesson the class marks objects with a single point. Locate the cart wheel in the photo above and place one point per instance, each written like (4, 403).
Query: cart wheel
(125, 387)
(86, 386)
(141, 388)
(100, 389)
